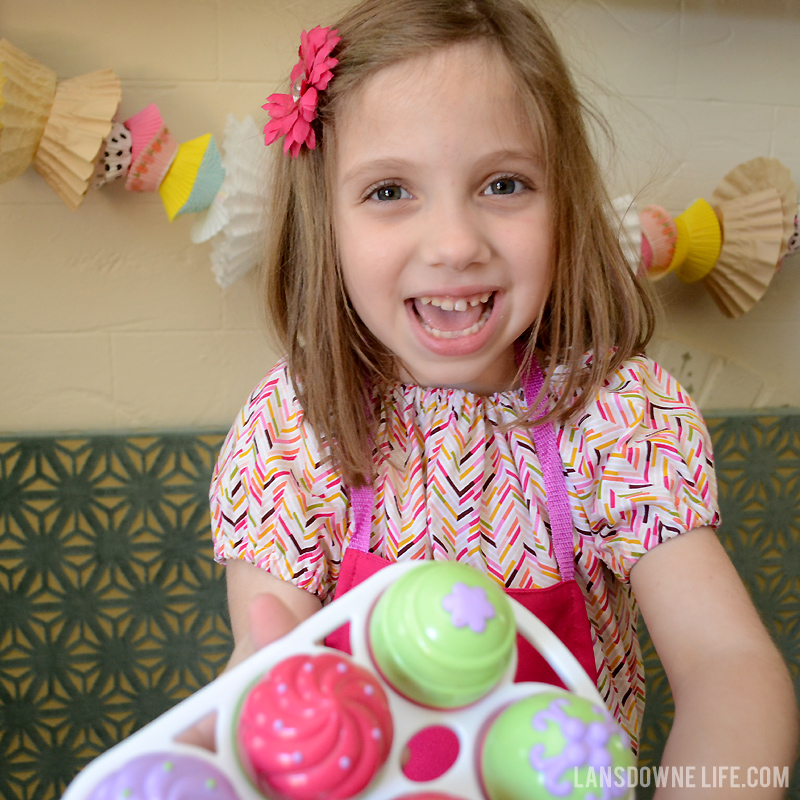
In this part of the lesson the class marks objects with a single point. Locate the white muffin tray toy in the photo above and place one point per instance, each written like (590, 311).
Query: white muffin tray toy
(424, 709)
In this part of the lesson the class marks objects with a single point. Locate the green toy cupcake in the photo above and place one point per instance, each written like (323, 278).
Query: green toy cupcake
(555, 744)
(443, 634)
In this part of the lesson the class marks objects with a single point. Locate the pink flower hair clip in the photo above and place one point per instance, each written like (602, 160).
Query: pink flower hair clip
(291, 115)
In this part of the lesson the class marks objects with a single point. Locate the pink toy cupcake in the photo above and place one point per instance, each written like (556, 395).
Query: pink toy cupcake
(315, 728)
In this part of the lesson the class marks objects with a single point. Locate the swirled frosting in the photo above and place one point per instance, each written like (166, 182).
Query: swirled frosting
(315, 727)
(165, 776)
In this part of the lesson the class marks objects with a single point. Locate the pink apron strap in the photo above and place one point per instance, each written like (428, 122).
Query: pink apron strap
(362, 498)
(555, 484)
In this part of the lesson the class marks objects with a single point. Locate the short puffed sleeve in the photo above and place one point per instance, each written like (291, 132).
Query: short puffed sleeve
(275, 500)
(639, 460)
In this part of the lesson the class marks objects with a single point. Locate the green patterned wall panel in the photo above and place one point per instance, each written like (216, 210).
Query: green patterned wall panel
(758, 467)
(112, 610)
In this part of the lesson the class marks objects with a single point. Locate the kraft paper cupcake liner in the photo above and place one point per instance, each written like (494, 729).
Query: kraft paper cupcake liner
(27, 91)
(755, 176)
(79, 121)
(748, 261)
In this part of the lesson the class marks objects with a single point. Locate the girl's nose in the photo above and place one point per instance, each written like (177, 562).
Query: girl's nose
(453, 237)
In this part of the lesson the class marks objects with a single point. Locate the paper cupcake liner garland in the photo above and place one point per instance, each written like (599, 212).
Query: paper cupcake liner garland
(733, 245)
(68, 131)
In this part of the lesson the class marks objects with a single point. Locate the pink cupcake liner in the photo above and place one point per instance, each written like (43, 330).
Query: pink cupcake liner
(144, 127)
(152, 164)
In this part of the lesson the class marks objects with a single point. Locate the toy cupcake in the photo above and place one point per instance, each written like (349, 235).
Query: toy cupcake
(315, 728)
(443, 634)
(555, 744)
(165, 776)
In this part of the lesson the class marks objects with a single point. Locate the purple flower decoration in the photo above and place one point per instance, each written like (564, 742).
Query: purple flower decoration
(469, 605)
(586, 746)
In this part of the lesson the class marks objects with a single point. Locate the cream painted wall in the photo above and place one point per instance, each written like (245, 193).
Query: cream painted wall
(111, 318)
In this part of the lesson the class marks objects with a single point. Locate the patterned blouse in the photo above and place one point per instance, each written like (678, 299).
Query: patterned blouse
(453, 485)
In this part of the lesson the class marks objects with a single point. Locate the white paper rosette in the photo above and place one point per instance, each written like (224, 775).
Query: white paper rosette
(235, 220)
(630, 230)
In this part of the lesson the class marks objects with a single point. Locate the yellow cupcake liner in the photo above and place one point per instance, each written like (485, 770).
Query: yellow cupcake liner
(681, 245)
(703, 238)
(194, 178)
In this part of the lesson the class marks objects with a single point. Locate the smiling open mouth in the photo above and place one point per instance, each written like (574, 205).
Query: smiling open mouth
(453, 318)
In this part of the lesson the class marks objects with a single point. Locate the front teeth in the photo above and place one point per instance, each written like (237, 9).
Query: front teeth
(437, 334)
(448, 304)
(461, 304)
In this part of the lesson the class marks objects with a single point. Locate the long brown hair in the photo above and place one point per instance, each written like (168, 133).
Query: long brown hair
(595, 303)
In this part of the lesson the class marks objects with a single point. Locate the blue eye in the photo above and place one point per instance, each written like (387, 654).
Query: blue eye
(506, 185)
(389, 191)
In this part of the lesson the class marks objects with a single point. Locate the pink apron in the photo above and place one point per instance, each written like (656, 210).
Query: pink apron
(561, 607)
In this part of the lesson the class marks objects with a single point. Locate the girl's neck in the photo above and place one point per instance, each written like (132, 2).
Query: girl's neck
(500, 377)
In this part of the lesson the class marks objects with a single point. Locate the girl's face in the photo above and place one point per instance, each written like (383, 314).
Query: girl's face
(442, 221)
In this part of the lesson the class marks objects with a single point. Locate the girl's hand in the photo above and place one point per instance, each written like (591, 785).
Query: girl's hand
(262, 609)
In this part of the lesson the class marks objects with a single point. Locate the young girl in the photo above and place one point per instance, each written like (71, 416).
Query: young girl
(442, 273)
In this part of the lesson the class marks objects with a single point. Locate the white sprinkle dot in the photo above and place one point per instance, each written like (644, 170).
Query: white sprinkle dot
(278, 724)
(376, 733)
(344, 762)
(297, 756)
(369, 689)
(341, 667)
(281, 688)
(308, 666)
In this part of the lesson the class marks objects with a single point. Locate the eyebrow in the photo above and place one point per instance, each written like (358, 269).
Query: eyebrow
(390, 166)
(386, 166)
